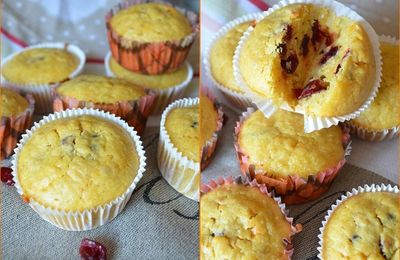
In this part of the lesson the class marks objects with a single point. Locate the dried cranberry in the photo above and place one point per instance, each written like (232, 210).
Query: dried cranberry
(328, 40)
(290, 64)
(316, 32)
(332, 52)
(92, 250)
(289, 33)
(281, 48)
(304, 45)
(312, 87)
(339, 66)
(6, 176)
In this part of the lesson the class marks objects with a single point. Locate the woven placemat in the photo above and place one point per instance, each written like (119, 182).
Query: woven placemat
(157, 223)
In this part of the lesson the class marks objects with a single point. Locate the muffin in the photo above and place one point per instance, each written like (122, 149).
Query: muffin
(219, 59)
(33, 70)
(150, 38)
(318, 62)
(275, 151)
(16, 116)
(242, 221)
(118, 96)
(168, 87)
(381, 120)
(363, 224)
(78, 168)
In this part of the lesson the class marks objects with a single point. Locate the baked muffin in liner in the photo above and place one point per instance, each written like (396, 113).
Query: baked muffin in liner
(182, 173)
(370, 134)
(312, 122)
(213, 184)
(163, 97)
(238, 99)
(92, 217)
(209, 147)
(12, 127)
(293, 189)
(343, 198)
(134, 112)
(42, 92)
(150, 57)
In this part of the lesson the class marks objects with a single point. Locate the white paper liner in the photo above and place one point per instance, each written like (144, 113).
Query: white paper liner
(237, 98)
(312, 122)
(353, 192)
(370, 134)
(163, 96)
(89, 218)
(172, 162)
(219, 182)
(42, 92)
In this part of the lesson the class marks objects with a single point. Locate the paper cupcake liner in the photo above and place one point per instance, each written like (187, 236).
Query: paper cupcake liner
(353, 192)
(42, 92)
(236, 98)
(213, 184)
(12, 127)
(178, 170)
(164, 97)
(293, 189)
(89, 218)
(313, 122)
(154, 57)
(134, 112)
(208, 149)
(370, 134)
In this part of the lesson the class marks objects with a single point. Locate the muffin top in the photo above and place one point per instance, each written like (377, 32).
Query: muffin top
(241, 222)
(77, 163)
(364, 226)
(221, 55)
(100, 89)
(209, 117)
(40, 66)
(160, 81)
(12, 103)
(305, 55)
(151, 22)
(384, 112)
(279, 146)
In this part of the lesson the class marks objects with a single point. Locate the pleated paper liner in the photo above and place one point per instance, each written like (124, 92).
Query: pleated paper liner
(150, 57)
(370, 134)
(42, 92)
(238, 99)
(208, 149)
(182, 173)
(134, 112)
(12, 127)
(164, 97)
(92, 217)
(349, 194)
(312, 122)
(293, 189)
(214, 184)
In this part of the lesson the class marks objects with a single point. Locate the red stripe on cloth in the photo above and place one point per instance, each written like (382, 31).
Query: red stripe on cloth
(14, 39)
(260, 4)
(94, 60)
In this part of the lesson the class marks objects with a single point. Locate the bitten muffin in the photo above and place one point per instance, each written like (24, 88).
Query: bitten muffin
(156, 82)
(305, 55)
(221, 55)
(384, 112)
(12, 103)
(40, 66)
(299, 166)
(364, 226)
(77, 163)
(151, 22)
(241, 222)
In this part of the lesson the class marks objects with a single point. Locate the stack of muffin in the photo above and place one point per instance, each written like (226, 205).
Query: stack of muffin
(310, 73)
(78, 167)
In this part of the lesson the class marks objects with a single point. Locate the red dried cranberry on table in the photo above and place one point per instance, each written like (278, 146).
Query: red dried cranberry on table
(92, 250)
(312, 87)
(6, 176)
